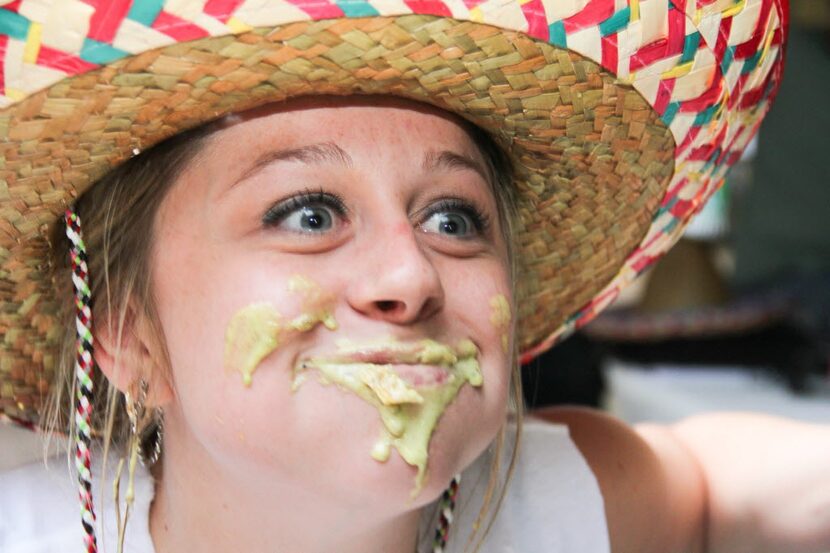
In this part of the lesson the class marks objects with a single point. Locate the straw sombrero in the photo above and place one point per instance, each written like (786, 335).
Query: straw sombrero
(621, 117)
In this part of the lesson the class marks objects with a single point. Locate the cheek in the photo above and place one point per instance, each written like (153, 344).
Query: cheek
(482, 310)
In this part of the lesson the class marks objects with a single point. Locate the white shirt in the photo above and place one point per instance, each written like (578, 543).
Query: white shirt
(553, 505)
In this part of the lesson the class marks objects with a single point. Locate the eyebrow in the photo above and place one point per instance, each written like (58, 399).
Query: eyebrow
(446, 159)
(324, 152)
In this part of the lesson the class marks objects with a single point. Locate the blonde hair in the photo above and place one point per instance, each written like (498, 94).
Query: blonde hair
(118, 214)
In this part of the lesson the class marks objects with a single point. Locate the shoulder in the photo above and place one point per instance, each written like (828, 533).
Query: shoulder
(551, 503)
(651, 487)
(38, 510)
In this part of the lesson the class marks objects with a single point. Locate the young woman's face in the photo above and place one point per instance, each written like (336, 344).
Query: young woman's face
(379, 215)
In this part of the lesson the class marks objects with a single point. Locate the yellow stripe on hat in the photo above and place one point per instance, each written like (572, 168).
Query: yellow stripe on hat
(634, 6)
(238, 26)
(679, 71)
(32, 47)
(767, 44)
(476, 14)
(734, 10)
(15, 94)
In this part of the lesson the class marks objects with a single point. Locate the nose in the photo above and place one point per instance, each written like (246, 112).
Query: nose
(399, 282)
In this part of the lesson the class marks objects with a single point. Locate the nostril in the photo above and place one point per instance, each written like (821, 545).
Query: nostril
(386, 305)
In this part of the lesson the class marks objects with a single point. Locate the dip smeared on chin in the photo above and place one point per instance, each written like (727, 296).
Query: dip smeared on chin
(258, 329)
(410, 384)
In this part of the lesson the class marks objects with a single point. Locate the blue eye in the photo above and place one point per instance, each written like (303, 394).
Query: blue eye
(307, 213)
(455, 218)
(452, 224)
(309, 219)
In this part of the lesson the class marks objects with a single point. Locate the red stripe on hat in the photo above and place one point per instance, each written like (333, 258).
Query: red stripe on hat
(690, 138)
(641, 263)
(609, 52)
(177, 27)
(682, 208)
(751, 46)
(664, 91)
(752, 97)
(319, 9)
(434, 7)
(107, 18)
(13, 6)
(221, 9)
(56, 59)
(537, 20)
(4, 40)
(593, 12)
(703, 153)
(724, 30)
(648, 54)
(677, 32)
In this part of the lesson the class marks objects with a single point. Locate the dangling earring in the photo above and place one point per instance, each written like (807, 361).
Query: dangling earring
(150, 439)
(144, 424)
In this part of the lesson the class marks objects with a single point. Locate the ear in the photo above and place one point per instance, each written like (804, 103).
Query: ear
(127, 355)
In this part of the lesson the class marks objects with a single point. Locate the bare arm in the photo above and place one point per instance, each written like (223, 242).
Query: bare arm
(768, 480)
(718, 483)
(653, 490)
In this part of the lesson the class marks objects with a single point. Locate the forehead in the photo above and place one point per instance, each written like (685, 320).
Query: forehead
(373, 125)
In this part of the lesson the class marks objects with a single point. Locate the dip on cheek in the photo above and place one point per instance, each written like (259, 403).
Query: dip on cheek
(410, 384)
(500, 318)
(258, 329)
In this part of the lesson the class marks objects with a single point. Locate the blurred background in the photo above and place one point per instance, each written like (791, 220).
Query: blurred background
(737, 315)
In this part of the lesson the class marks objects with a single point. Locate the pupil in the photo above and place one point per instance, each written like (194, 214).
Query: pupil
(314, 219)
(453, 225)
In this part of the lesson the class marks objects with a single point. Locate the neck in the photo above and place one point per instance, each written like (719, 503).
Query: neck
(225, 510)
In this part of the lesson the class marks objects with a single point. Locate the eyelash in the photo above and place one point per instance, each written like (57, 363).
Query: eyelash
(481, 221)
(280, 210)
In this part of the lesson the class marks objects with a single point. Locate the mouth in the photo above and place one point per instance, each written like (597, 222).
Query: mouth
(409, 383)
(423, 352)
(394, 371)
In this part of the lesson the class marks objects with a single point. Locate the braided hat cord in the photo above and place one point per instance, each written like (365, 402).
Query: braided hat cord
(83, 373)
(446, 506)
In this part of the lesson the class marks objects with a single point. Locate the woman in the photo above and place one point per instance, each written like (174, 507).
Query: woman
(316, 295)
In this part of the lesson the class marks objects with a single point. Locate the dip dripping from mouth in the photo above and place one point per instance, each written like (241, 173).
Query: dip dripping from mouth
(377, 373)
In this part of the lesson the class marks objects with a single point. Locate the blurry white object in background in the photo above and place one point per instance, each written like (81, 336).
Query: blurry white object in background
(19, 446)
(666, 393)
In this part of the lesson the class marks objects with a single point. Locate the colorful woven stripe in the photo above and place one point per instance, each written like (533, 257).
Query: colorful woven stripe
(83, 375)
(446, 506)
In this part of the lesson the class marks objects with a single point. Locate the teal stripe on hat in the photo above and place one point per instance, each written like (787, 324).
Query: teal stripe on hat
(751, 62)
(690, 47)
(145, 11)
(706, 115)
(616, 22)
(669, 114)
(99, 52)
(556, 32)
(357, 8)
(728, 57)
(14, 25)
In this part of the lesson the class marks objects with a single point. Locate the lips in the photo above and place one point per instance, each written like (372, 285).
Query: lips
(380, 354)
(418, 364)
